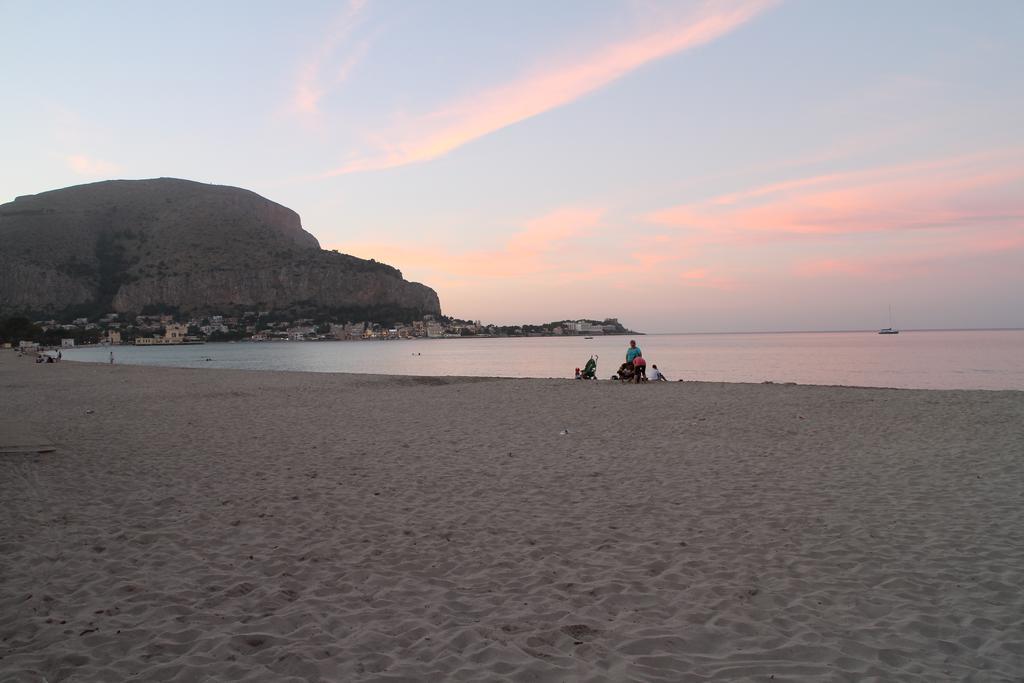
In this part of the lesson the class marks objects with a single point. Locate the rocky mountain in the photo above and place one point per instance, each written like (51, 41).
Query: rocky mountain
(177, 245)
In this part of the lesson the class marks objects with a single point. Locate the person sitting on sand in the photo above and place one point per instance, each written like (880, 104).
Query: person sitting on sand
(657, 375)
(639, 368)
(578, 375)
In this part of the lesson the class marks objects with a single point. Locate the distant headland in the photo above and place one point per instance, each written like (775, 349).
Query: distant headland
(168, 261)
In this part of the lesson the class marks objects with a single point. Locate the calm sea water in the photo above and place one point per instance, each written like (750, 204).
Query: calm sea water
(974, 359)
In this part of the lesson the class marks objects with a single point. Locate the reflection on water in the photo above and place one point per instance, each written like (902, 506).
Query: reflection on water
(970, 359)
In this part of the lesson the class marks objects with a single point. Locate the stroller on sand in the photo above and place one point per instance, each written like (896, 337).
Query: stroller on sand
(590, 369)
(625, 373)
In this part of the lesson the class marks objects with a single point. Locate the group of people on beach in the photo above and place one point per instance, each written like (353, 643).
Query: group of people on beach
(44, 357)
(633, 370)
(635, 367)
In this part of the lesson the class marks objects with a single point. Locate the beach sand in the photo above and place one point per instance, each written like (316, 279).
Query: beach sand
(232, 525)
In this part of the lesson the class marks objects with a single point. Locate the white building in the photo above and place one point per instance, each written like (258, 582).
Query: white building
(300, 333)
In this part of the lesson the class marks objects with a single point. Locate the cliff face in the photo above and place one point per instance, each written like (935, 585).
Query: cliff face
(129, 245)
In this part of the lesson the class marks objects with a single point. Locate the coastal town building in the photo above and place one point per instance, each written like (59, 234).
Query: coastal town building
(175, 333)
(212, 329)
(301, 333)
(348, 331)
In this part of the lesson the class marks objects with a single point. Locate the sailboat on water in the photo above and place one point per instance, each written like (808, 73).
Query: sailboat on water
(890, 329)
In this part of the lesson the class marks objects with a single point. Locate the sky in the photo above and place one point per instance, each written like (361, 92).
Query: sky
(742, 165)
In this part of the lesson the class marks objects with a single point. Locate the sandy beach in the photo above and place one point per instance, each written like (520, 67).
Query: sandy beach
(198, 525)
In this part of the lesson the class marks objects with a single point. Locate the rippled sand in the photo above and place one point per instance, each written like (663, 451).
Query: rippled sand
(259, 526)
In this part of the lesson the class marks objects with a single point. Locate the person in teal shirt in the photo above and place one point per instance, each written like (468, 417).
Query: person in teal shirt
(632, 352)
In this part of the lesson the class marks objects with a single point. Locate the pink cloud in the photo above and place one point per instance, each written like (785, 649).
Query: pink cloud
(90, 166)
(653, 258)
(937, 256)
(568, 250)
(830, 266)
(558, 226)
(934, 194)
(570, 246)
(437, 133)
(537, 248)
(706, 278)
(932, 219)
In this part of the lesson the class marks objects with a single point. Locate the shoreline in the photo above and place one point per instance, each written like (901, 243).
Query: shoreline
(600, 380)
(933, 361)
(329, 526)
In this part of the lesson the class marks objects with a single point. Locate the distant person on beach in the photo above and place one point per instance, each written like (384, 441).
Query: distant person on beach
(578, 374)
(59, 356)
(639, 368)
(633, 351)
(111, 357)
(656, 375)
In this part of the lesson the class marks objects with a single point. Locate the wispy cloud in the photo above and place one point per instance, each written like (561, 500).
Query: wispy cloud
(533, 249)
(878, 224)
(942, 256)
(565, 250)
(542, 234)
(89, 166)
(325, 70)
(476, 115)
(976, 190)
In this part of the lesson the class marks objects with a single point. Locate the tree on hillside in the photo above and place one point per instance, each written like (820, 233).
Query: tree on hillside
(14, 330)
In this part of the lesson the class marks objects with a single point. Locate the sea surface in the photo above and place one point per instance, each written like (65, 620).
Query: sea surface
(969, 359)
